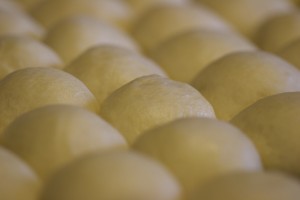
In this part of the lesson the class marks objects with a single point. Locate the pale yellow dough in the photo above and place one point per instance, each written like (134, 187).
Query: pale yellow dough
(273, 125)
(250, 186)
(238, 80)
(248, 15)
(278, 32)
(28, 4)
(16, 23)
(291, 53)
(11, 6)
(197, 150)
(73, 36)
(18, 181)
(48, 138)
(113, 176)
(164, 22)
(142, 6)
(105, 68)
(150, 101)
(30, 88)
(17, 52)
(50, 12)
(185, 55)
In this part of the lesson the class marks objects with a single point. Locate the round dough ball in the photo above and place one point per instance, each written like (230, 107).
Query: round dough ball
(18, 181)
(279, 31)
(273, 125)
(150, 101)
(248, 15)
(113, 176)
(197, 150)
(250, 186)
(60, 134)
(75, 35)
(30, 88)
(238, 80)
(15, 23)
(185, 55)
(19, 52)
(50, 12)
(157, 25)
(105, 68)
